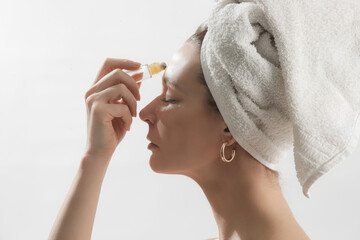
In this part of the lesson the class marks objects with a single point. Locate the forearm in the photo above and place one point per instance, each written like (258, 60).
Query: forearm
(76, 217)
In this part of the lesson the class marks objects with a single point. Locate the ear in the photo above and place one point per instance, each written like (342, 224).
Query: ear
(227, 136)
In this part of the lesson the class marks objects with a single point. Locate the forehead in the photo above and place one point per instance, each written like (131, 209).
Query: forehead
(184, 67)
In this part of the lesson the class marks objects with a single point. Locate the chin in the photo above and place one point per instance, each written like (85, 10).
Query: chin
(155, 164)
(161, 166)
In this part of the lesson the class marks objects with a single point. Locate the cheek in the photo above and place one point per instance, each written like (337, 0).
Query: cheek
(187, 136)
(188, 132)
(204, 137)
(174, 128)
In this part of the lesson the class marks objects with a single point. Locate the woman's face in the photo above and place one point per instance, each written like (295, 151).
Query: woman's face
(188, 134)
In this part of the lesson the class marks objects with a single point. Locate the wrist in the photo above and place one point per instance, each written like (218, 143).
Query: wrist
(94, 162)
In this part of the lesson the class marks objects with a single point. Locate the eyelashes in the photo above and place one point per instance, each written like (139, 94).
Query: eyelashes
(167, 100)
(164, 99)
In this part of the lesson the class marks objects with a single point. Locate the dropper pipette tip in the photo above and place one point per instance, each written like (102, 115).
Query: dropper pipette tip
(163, 65)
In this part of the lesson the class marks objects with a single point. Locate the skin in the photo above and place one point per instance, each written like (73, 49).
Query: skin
(245, 197)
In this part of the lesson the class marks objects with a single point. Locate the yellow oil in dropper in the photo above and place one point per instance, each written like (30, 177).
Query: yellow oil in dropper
(147, 70)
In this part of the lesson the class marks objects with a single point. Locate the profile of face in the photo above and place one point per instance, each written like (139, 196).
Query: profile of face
(188, 133)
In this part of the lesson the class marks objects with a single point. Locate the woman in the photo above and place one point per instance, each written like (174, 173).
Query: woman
(187, 132)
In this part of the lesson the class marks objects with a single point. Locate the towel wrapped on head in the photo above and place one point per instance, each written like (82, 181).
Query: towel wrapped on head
(286, 75)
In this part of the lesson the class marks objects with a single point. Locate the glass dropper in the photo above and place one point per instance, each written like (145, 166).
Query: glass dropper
(147, 70)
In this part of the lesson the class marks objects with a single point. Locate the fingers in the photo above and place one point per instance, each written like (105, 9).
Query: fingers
(113, 78)
(107, 112)
(119, 111)
(137, 76)
(111, 64)
(116, 92)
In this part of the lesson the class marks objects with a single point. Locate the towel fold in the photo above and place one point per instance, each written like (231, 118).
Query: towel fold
(286, 75)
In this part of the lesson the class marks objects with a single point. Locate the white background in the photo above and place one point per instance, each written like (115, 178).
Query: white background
(50, 54)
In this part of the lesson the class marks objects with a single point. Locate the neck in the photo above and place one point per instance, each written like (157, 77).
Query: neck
(246, 200)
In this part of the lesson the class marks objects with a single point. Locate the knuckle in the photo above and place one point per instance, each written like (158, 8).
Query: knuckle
(90, 91)
(87, 94)
(108, 64)
(90, 99)
(97, 109)
(121, 86)
(107, 60)
(118, 72)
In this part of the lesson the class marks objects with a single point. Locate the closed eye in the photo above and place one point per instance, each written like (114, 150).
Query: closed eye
(164, 99)
(167, 100)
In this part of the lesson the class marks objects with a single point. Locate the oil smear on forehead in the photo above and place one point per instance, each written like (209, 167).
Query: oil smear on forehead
(148, 70)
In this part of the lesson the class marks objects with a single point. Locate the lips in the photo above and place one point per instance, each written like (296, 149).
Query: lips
(154, 144)
(151, 141)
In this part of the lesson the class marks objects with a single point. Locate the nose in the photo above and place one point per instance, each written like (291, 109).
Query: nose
(147, 114)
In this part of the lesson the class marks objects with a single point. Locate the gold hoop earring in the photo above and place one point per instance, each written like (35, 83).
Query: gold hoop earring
(222, 153)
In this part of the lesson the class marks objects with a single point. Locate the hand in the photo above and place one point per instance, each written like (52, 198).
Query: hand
(108, 119)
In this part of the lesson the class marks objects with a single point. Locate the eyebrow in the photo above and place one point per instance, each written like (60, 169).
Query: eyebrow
(173, 85)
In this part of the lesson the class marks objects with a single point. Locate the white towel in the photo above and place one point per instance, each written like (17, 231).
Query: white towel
(287, 74)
